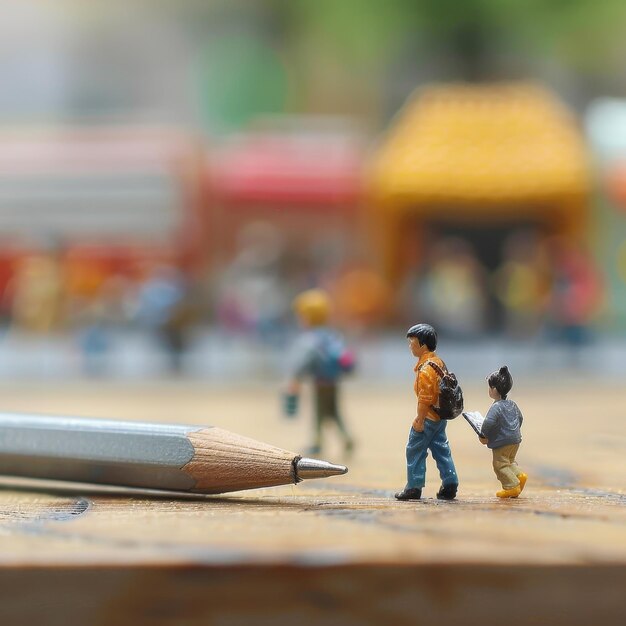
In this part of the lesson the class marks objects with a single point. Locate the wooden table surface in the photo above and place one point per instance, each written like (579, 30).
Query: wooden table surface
(345, 543)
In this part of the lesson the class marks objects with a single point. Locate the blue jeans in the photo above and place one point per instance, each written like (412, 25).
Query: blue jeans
(434, 439)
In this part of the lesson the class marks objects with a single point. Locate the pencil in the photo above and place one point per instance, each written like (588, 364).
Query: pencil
(197, 459)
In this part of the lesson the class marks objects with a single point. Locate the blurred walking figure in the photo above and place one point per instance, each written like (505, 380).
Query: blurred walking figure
(321, 356)
(522, 285)
(96, 318)
(576, 293)
(251, 294)
(164, 309)
(452, 290)
(37, 294)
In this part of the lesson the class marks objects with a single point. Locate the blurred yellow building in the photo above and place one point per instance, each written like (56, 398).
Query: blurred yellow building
(481, 157)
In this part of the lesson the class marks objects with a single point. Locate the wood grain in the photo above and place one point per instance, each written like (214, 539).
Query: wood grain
(226, 462)
(340, 550)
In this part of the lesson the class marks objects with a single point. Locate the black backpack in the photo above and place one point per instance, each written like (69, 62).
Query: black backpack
(450, 394)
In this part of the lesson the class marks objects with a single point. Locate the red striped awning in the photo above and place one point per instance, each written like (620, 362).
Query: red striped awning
(288, 170)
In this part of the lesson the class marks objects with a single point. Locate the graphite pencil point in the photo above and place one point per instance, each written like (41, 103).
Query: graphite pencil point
(313, 468)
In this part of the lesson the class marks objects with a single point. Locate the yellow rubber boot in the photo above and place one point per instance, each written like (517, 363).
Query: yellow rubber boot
(522, 481)
(509, 493)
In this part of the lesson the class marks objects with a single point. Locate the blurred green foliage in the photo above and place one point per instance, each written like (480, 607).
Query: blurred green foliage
(581, 32)
(292, 50)
(241, 77)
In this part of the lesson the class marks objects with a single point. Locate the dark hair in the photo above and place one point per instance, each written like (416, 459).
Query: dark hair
(425, 334)
(501, 381)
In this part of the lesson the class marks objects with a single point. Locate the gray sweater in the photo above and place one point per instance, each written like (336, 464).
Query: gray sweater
(502, 424)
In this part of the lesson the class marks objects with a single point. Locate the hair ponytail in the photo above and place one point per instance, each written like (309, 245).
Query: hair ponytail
(501, 381)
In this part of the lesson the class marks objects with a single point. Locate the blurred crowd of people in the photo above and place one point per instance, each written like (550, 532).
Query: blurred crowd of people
(541, 287)
(50, 293)
(253, 295)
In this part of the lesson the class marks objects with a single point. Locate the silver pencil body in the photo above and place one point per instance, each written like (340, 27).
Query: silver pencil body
(167, 457)
(133, 454)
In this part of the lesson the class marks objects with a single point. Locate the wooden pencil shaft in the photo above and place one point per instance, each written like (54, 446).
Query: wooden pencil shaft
(139, 454)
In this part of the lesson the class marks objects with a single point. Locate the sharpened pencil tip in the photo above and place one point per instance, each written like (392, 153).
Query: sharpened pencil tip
(312, 468)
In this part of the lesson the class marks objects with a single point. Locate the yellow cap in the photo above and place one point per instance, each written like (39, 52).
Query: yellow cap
(313, 307)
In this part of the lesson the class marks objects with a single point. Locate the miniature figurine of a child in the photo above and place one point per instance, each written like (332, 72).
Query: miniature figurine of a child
(321, 356)
(501, 432)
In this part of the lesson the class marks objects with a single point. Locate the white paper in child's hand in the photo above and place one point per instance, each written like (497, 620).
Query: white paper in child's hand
(475, 420)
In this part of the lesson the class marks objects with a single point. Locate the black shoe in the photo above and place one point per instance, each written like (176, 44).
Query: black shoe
(447, 492)
(409, 494)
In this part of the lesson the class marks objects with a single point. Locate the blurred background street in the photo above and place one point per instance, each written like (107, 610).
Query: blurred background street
(217, 359)
(173, 173)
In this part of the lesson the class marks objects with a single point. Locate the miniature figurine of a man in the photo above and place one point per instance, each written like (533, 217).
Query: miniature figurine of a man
(321, 356)
(501, 431)
(428, 431)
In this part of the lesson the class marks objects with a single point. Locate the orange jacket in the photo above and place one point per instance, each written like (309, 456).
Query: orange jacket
(427, 383)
